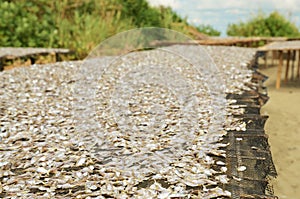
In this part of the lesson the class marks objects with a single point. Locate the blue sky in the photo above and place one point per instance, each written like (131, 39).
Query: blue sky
(219, 13)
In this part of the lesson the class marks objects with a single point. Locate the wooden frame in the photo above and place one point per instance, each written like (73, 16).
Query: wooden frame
(291, 47)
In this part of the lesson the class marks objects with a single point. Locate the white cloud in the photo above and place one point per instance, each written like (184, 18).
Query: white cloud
(229, 4)
(296, 19)
(289, 5)
(172, 3)
(195, 21)
(219, 13)
(235, 11)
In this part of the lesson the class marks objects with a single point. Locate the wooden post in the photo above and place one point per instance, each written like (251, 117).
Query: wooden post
(293, 58)
(287, 66)
(249, 44)
(298, 69)
(272, 62)
(257, 44)
(279, 69)
(266, 58)
(273, 57)
(1, 64)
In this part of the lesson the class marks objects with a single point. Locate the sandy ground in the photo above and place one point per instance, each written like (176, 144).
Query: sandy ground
(283, 128)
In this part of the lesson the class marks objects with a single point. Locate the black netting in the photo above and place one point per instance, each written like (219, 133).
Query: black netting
(249, 160)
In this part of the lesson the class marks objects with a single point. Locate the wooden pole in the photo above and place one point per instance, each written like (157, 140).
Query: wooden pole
(293, 63)
(276, 58)
(249, 44)
(287, 66)
(266, 56)
(279, 69)
(273, 57)
(298, 70)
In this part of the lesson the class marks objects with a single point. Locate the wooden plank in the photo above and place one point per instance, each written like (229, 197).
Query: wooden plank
(279, 70)
(283, 45)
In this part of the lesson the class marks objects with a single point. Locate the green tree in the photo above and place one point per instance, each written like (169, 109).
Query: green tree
(25, 23)
(273, 25)
(141, 14)
(78, 25)
(208, 30)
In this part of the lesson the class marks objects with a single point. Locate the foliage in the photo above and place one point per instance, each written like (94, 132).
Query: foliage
(25, 24)
(274, 25)
(79, 25)
(140, 13)
(209, 30)
(75, 24)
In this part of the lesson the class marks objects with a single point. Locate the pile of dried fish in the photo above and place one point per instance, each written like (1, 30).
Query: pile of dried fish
(145, 125)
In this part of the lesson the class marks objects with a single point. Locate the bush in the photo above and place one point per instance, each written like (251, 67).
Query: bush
(209, 30)
(78, 25)
(75, 24)
(26, 24)
(274, 25)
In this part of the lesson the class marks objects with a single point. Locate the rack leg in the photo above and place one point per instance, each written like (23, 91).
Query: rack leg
(279, 70)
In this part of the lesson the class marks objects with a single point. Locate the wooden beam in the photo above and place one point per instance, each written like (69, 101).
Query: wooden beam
(279, 69)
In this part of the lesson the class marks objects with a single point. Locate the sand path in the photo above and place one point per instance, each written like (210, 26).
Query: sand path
(283, 128)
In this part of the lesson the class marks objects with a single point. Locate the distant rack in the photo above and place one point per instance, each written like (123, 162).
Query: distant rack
(229, 41)
(11, 57)
(284, 50)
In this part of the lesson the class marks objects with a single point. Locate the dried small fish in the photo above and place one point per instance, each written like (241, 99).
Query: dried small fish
(81, 161)
(242, 168)
(42, 170)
